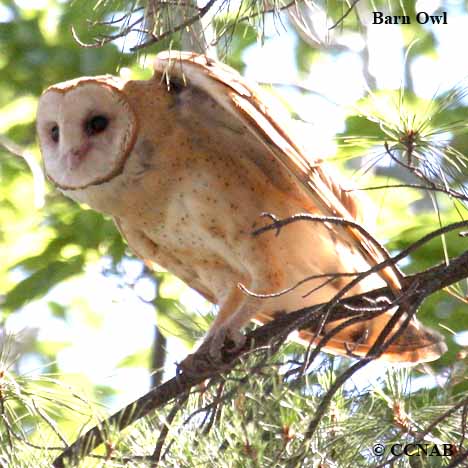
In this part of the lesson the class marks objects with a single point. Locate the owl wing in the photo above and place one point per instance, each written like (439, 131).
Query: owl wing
(246, 102)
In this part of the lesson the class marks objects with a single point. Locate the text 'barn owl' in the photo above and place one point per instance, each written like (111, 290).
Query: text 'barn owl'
(185, 163)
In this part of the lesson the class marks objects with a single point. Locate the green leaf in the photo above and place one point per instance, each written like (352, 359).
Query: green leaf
(41, 281)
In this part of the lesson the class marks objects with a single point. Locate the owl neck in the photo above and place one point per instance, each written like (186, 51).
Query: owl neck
(105, 197)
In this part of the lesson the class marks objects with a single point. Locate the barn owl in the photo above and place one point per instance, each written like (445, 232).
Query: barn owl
(185, 163)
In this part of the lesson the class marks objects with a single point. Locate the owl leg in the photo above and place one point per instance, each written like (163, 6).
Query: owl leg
(225, 331)
(225, 335)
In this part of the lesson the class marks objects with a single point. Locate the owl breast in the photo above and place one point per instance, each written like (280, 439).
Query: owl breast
(190, 203)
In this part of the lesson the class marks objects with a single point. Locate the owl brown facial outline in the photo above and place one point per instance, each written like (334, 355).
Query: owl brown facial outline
(80, 120)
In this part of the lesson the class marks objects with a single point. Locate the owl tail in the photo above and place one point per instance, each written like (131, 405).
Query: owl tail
(416, 344)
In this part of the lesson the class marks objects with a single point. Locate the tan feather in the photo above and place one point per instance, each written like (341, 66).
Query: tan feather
(246, 102)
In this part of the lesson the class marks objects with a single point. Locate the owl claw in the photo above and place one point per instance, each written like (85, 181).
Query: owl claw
(213, 353)
(223, 341)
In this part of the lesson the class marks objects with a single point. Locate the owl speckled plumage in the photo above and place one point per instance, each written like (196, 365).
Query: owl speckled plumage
(185, 163)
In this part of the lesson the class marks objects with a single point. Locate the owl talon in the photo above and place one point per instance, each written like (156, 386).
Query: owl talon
(223, 341)
(213, 353)
(197, 364)
(202, 363)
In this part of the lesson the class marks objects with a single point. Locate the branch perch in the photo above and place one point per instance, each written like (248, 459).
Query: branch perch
(416, 289)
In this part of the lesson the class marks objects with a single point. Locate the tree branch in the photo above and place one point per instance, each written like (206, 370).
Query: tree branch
(415, 290)
(34, 166)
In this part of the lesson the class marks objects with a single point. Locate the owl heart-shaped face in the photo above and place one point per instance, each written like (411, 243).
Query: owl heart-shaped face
(86, 131)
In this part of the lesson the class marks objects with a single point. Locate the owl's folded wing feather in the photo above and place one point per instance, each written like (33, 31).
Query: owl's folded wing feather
(246, 103)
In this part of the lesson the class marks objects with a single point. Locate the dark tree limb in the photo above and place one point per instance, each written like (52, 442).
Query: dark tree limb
(140, 24)
(158, 357)
(416, 289)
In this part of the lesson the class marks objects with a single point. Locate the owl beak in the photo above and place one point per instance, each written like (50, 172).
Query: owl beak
(76, 155)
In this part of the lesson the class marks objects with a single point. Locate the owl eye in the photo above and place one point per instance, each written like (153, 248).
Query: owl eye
(96, 124)
(55, 133)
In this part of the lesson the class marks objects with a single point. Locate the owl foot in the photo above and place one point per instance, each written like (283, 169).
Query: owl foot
(223, 341)
(214, 353)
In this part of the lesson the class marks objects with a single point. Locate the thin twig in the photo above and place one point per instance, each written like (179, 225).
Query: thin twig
(51, 423)
(348, 11)
(458, 459)
(99, 42)
(463, 425)
(185, 24)
(450, 192)
(416, 172)
(215, 409)
(241, 19)
(429, 429)
(165, 429)
(279, 223)
(22, 439)
(376, 350)
(329, 276)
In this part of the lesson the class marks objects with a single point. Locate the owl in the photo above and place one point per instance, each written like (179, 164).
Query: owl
(185, 163)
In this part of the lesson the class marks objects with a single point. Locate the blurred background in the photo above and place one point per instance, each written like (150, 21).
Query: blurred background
(78, 308)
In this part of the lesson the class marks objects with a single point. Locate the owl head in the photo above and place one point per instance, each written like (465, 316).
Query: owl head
(86, 130)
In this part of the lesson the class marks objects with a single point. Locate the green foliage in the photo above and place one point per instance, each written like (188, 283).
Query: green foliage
(264, 417)
(38, 284)
(258, 418)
